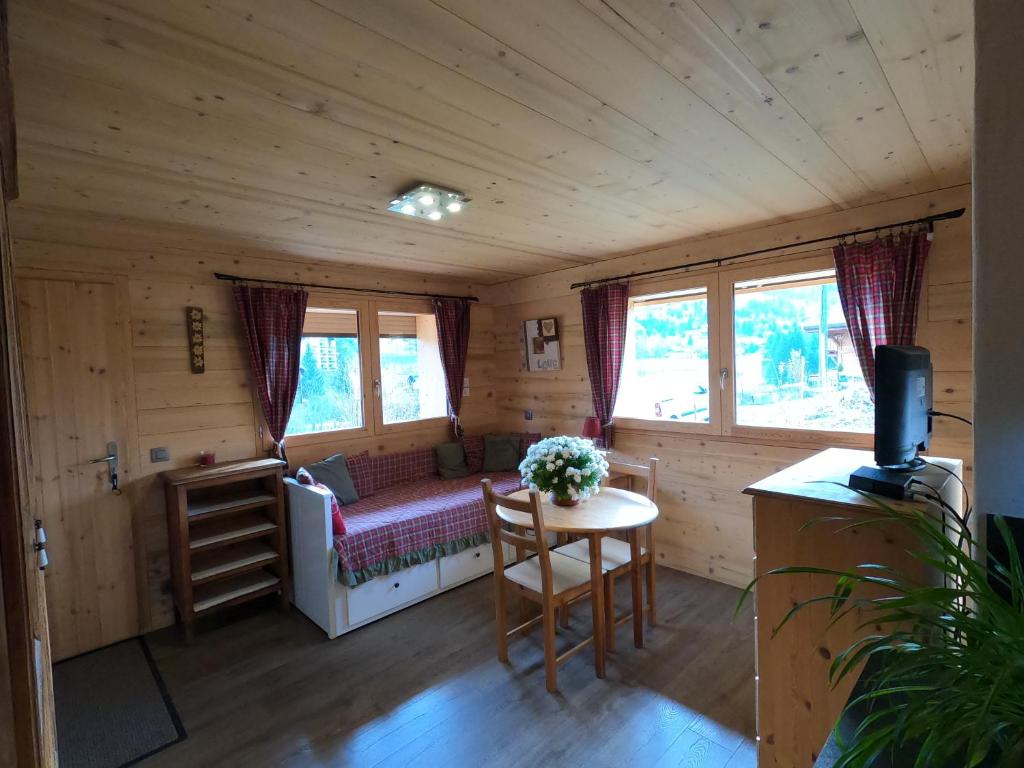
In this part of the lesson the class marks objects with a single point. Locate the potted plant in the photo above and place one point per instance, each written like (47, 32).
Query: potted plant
(570, 469)
(944, 674)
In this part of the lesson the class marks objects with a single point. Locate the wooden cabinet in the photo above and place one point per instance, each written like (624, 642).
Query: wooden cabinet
(795, 523)
(226, 526)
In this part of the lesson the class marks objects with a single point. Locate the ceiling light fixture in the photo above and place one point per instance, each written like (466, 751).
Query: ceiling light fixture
(426, 201)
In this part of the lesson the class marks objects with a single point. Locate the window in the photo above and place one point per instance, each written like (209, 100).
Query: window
(381, 353)
(665, 365)
(755, 351)
(329, 396)
(795, 364)
(411, 383)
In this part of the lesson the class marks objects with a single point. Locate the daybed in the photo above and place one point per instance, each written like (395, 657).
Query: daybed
(415, 536)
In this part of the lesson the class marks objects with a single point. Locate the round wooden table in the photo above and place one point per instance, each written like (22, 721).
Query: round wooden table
(613, 509)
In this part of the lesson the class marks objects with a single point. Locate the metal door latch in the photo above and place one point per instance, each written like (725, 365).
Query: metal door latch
(111, 461)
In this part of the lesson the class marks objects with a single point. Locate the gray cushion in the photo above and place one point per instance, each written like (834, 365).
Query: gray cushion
(334, 474)
(501, 453)
(451, 460)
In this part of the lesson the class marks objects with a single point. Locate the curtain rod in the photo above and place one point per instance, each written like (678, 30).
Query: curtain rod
(929, 220)
(237, 279)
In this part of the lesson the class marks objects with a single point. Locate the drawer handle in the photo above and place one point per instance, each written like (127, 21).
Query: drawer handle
(396, 585)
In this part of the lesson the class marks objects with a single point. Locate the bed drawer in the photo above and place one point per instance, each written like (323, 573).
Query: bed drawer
(466, 565)
(387, 592)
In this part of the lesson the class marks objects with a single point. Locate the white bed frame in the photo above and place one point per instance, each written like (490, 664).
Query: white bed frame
(338, 609)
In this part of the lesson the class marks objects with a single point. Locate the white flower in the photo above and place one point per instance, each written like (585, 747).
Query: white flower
(550, 466)
(559, 462)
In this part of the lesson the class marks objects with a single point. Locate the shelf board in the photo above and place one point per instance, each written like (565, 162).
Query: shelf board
(236, 589)
(230, 561)
(229, 530)
(216, 506)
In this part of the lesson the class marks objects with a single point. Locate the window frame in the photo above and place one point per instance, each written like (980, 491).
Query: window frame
(709, 281)
(720, 283)
(371, 401)
(728, 278)
(417, 306)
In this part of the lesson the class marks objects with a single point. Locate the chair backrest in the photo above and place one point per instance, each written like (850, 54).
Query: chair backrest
(500, 533)
(648, 473)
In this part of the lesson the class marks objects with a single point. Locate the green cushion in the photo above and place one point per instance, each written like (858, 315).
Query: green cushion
(451, 460)
(501, 453)
(334, 474)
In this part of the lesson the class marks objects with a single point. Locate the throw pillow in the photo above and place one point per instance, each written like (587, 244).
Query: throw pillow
(474, 447)
(337, 521)
(451, 460)
(361, 472)
(333, 472)
(501, 453)
(526, 439)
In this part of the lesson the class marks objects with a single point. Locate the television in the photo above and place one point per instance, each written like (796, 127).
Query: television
(903, 402)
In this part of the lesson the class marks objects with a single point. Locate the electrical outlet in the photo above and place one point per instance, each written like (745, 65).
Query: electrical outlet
(159, 454)
(528, 415)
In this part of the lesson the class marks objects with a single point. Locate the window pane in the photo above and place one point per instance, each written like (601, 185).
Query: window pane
(330, 394)
(411, 378)
(665, 369)
(795, 363)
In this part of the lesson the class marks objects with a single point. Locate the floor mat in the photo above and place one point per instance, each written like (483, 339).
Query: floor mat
(112, 708)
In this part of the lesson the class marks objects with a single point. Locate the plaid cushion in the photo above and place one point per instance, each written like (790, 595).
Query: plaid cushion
(395, 468)
(337, 521)
(362, 478)
(412, 516)
(526, 439)
(474, 447)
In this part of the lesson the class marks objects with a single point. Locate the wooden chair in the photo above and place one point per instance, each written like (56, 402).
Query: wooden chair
(549, 579)
(616, 558)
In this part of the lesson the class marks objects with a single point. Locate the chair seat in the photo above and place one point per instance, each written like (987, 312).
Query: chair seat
(614, 552)
(566, 573)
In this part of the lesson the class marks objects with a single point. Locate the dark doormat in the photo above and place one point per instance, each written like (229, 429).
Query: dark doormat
(112, 707)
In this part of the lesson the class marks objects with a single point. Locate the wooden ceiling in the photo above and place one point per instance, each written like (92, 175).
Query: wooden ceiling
(581, 129)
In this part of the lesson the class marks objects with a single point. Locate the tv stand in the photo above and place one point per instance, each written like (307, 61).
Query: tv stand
(796, 706)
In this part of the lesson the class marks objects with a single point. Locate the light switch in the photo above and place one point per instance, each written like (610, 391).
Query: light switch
(159, 454)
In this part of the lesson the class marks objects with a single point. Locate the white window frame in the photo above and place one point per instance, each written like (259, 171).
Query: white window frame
(729, 276)
(371, 402)
(679, 285)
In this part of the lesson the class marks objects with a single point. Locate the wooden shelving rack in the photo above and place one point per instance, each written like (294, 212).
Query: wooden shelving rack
(228, 543)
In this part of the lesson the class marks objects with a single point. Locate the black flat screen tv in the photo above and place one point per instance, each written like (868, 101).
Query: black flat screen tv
(903, 402)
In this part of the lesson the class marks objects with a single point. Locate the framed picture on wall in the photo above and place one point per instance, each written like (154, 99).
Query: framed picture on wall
(540, 343)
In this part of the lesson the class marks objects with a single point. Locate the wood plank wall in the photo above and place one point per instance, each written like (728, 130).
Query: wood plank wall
(215, 411)
(705, 527)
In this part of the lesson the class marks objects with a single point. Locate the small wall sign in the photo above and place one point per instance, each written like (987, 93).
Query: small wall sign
(196, 339)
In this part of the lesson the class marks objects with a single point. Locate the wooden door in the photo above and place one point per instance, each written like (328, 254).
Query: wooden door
(80, 399)
(28, 734)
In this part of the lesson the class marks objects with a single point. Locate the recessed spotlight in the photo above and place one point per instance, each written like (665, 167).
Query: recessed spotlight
(430, 202)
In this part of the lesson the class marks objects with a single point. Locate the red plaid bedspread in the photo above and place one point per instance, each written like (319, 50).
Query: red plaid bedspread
(411, 516)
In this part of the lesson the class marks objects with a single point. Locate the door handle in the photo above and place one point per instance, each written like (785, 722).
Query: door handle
(376, 387)
(722, 376)
(111, 461)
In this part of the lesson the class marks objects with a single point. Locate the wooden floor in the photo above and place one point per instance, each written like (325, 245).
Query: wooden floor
(424, 688)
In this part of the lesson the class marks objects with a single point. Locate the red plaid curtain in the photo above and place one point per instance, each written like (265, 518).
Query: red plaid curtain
(272, 319)
(880, 287)
(452, 316)
(604, 337)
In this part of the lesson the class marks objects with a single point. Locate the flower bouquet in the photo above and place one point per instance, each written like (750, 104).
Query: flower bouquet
(570, 469)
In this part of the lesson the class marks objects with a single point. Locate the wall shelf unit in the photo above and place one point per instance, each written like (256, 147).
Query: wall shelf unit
(228, 543)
